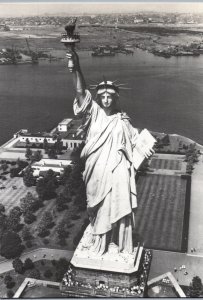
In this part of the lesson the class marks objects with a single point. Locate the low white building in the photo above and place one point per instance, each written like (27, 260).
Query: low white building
(70, 131)
(64, 125)
(56, 165)
(36, 138)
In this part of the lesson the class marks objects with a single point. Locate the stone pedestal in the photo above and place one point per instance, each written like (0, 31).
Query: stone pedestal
(112, 274)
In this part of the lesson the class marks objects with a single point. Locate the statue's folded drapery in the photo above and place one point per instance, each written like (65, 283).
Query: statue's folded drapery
(109, 175)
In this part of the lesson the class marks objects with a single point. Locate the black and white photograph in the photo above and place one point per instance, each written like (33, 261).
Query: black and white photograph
(101, 149)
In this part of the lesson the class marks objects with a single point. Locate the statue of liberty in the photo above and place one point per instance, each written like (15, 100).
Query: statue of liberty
(109, 173)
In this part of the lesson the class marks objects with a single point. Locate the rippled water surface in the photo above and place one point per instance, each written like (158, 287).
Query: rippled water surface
(165, 94)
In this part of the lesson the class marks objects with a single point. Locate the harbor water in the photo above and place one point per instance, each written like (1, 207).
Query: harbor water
(164, 95)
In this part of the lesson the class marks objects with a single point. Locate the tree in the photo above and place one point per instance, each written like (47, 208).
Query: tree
(60, 229)
(80, 202)
(66, 192)
(42, 229)
(16, 211)
(11, 245)
(48, 273)
(62, 242)
(22, 164)
(14, 172)
(61, 202)
(18, 265)
(28, 177)
(58, 146)
(37, 156)
(7, 279)
(52, 153)
(75, 155)
(10, 294)
(10, 285)
(46, 186)
(28, 264)
(66, 174)
(13, 219)
(27, 143)
(28, 244)
(46, 145)
(3, 223)
(47, 219)
(26, 235)
(2, 208)
(35, 273)
(61, 267)
(4, 166)
(195, 288)
(29, 203)
(29, 217)
(28, 153)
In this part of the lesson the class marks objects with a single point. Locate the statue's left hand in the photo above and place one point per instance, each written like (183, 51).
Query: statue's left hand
(148, 153)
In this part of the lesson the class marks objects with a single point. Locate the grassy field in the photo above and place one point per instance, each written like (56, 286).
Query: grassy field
(10, 197)
(167, 164)
(71, 216)
(160, 213)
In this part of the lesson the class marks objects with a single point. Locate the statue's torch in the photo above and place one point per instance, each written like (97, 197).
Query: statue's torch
(69, 39)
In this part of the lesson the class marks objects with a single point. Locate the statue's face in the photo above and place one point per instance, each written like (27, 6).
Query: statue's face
(106, 100)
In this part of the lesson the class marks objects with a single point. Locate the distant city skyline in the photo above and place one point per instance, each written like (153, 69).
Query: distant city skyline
(19, 9)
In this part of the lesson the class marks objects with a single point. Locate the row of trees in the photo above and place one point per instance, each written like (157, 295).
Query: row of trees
(13, 167)
(33, 155)
(51, 149)
(10, 224)
(191, 157)
(21, 267)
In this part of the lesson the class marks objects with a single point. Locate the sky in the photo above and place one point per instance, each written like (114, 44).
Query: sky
(17, 9)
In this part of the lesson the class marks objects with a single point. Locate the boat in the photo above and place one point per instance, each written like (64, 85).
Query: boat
(101, 54)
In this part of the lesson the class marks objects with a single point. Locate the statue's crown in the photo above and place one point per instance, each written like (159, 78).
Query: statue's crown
(107, 86)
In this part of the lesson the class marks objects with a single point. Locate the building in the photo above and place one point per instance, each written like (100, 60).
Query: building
(64, 125)
(25, 136)
(70, 131)
(56, 165)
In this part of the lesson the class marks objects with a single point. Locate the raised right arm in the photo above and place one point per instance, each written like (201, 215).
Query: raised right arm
(78, 78)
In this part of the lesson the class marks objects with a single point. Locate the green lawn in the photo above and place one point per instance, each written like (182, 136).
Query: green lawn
(74, 225)
(167, 164)
(10, 197)
(160, 212)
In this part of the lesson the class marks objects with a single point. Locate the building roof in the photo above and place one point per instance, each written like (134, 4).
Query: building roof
(65, 122)
(38, 134)
(52, 163)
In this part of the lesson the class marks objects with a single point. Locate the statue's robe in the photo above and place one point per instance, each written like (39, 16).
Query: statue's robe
(109, 175)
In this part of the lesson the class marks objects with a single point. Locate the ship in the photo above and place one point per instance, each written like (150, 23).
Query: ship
(101, 51)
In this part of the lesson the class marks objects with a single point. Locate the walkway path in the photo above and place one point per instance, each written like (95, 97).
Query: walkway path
(195, 237)
(35, 255)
